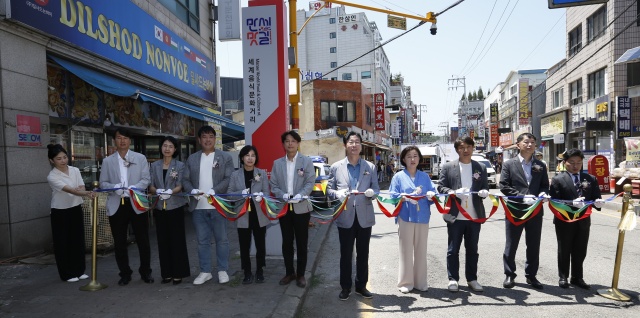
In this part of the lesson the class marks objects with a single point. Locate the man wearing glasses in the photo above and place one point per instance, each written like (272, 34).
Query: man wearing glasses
(524, 176)
(573, 237)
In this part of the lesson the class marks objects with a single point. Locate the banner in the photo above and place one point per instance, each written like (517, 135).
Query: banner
(378, 103)
(523, 101)
(633, 148)
(229, 20)
(624, 117)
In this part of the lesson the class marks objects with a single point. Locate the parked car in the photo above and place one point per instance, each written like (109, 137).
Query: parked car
(319, 192)
(491, 171)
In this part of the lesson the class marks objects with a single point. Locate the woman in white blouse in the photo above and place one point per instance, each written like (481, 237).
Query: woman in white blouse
(67, 225)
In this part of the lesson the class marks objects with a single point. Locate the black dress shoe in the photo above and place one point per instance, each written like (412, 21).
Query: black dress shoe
(147, 278)
(166, 280)
(508, 282)
(259, 277)
(580, 283)
(562, 282)
(534, 282)
(124, 280)
(248, 279)
(344, 294)
(364, 293)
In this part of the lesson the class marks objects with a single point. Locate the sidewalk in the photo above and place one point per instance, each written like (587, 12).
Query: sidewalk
(32, 286)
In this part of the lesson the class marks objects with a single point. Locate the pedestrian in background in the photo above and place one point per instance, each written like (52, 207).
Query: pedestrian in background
(67, 222)
(461, 177)
(208, 171)
(539, 156)
(380, 169)
(413, 221)
(354, 174)
(251, 180)
(573, 237)
(293, 177)
(166, 182)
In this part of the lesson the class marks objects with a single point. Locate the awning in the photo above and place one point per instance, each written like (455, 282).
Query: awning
(631, 55)
(231, 131)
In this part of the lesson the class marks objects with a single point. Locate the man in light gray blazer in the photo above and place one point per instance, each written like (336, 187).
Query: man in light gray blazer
(293, 177)
(208, 171)
(127, 169)
(354, 174)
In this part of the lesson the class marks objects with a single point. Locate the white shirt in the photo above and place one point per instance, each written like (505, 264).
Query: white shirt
(57, 180)
(124, 174)
(466, 178)
(206, 181)
(291, 172)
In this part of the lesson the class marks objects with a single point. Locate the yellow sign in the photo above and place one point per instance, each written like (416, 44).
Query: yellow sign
(396, 22)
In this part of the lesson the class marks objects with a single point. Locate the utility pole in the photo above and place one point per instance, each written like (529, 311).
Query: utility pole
(454, 83)
(294, 71)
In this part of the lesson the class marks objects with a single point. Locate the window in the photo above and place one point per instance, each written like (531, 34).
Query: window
(513, 90)
(338, 111)
(332, 35)
(365, 74)
(596, 24)
(334, 64)
(346, 76)
(501, 96)
(186, 10)
(332, 20)
(369, 116)
(334, 78)
(558, 98)
(596, 84)
(575, 40)
(575, 89)
(633, 74)
(332, 49)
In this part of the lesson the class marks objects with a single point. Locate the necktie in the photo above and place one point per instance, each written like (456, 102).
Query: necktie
(576, 181)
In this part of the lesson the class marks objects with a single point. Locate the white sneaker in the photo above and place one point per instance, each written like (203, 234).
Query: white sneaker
(403, 290)
(475, 286)
(453, 286)
(426, 289)
(84, 276)
(73, 280)
(223, 277)
(202, 278)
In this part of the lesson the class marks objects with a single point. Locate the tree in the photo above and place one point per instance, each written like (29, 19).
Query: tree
(488, 92)
(462, 97)
(480, 94)
(474, 96)
(470, 97)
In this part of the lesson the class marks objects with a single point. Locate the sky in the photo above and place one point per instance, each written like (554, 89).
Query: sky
(480, 40)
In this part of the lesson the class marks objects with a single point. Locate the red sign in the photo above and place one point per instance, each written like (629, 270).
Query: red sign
(29, 131)
(495, 142)
(599, 167)
(506, 140)
(378, 103)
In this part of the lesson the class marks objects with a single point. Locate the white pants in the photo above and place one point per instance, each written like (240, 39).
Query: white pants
(412, 270)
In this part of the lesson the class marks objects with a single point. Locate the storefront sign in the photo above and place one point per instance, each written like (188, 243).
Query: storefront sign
(341, 131)
(633, 148)
(624, 117)
(552, 125)
(324, 7)
(523, 100)
(588, 111)
(229, 20)
(378, 103)
(493, 113)
(506, 140)
(29, 131)
(495, 137)
(120, 31)
(599, 167)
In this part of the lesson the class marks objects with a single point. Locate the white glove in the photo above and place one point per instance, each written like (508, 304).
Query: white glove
(448, 218)
(578, 203)
(119, 191)
(451, 192)
(369, 193)
(598, 203)
(418, 190)
(462, 192)
(354, 191)
(166, 194)
(211, 192)
(529, 199)
(197, 193)
(430, 194)
(341, 194)
(483, 193)
(296, 198)
(286, 196)
(258, 196)
(544, 196)
(245, 191)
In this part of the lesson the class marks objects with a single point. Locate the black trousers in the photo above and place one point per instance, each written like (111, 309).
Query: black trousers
(119, 226)
(244, 237)
(533, 229)
(172, 243)
(361, 237)
(295, 226)
(573, 239)
(67, 229)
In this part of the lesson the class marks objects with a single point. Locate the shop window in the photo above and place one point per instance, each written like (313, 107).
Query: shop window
(596, 24)
(87, 152)
(575, 40)
(596, 84)
(338, 111)
(186, 10)
(575, 89)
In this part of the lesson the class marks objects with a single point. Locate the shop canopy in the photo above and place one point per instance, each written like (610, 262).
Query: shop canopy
(231, 131)
(630, 56)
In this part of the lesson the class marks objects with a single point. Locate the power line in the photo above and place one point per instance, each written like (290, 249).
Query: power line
(537, 45)
(480, 38)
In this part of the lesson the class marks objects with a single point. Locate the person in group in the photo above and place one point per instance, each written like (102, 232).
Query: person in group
(293, 177)
(413, 221)
(166, 182)
(250, 180)
(389, 170)
(560, 167)
(67, 221)
(539, 157)
(130, 170)
(354, 223)
(461, 177)
(573, 238)
(380, 170)
(525, 176)
(208, 171)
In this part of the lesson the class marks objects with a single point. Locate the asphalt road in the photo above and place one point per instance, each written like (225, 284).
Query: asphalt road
(496, 301)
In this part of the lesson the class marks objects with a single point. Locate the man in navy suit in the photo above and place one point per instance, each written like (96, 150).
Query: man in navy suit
(524, 176)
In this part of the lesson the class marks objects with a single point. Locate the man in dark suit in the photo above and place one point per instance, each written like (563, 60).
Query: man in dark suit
(524, 176)
(463, 176)
(573, 237)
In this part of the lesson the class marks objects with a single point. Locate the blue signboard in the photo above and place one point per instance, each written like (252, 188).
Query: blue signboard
(624, 117)
(122, 32)
(553, 4)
